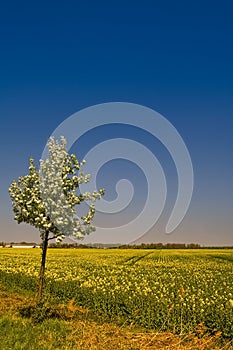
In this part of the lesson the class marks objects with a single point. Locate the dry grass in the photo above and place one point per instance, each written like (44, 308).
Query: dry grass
(9, 302)
(86, 334)
(90, 335)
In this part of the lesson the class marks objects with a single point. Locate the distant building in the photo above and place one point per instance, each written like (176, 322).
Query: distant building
(15, 245)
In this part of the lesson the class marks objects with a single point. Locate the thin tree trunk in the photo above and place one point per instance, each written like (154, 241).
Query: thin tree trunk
(42, 266)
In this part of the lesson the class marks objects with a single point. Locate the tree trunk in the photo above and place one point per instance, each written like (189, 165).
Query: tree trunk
(42, 266)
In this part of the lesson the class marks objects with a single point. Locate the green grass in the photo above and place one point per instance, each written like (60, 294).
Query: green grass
(74, 329)
(20, 334)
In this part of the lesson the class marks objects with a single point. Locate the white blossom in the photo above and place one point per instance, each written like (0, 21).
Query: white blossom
(47, 199)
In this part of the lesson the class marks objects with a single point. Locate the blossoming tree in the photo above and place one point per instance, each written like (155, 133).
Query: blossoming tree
(46, 199)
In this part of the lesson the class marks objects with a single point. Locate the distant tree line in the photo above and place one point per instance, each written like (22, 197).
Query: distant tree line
(125, 246)
(169, 246)
(161, 246)
(51, 245)
(68, 245)
(10, 244)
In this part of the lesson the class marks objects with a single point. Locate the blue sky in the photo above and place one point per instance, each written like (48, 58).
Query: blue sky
(174, 57)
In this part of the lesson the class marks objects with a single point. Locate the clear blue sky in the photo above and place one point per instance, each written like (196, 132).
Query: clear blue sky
(173, 56)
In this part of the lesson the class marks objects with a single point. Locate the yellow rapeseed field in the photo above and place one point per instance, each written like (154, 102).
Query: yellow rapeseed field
(176, 290)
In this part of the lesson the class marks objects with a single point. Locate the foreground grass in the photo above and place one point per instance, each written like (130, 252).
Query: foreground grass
(73, 327)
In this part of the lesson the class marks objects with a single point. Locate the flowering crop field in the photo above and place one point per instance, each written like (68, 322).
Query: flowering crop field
(177, 290)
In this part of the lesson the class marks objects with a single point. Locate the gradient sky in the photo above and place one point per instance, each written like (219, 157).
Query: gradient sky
(174, 57)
